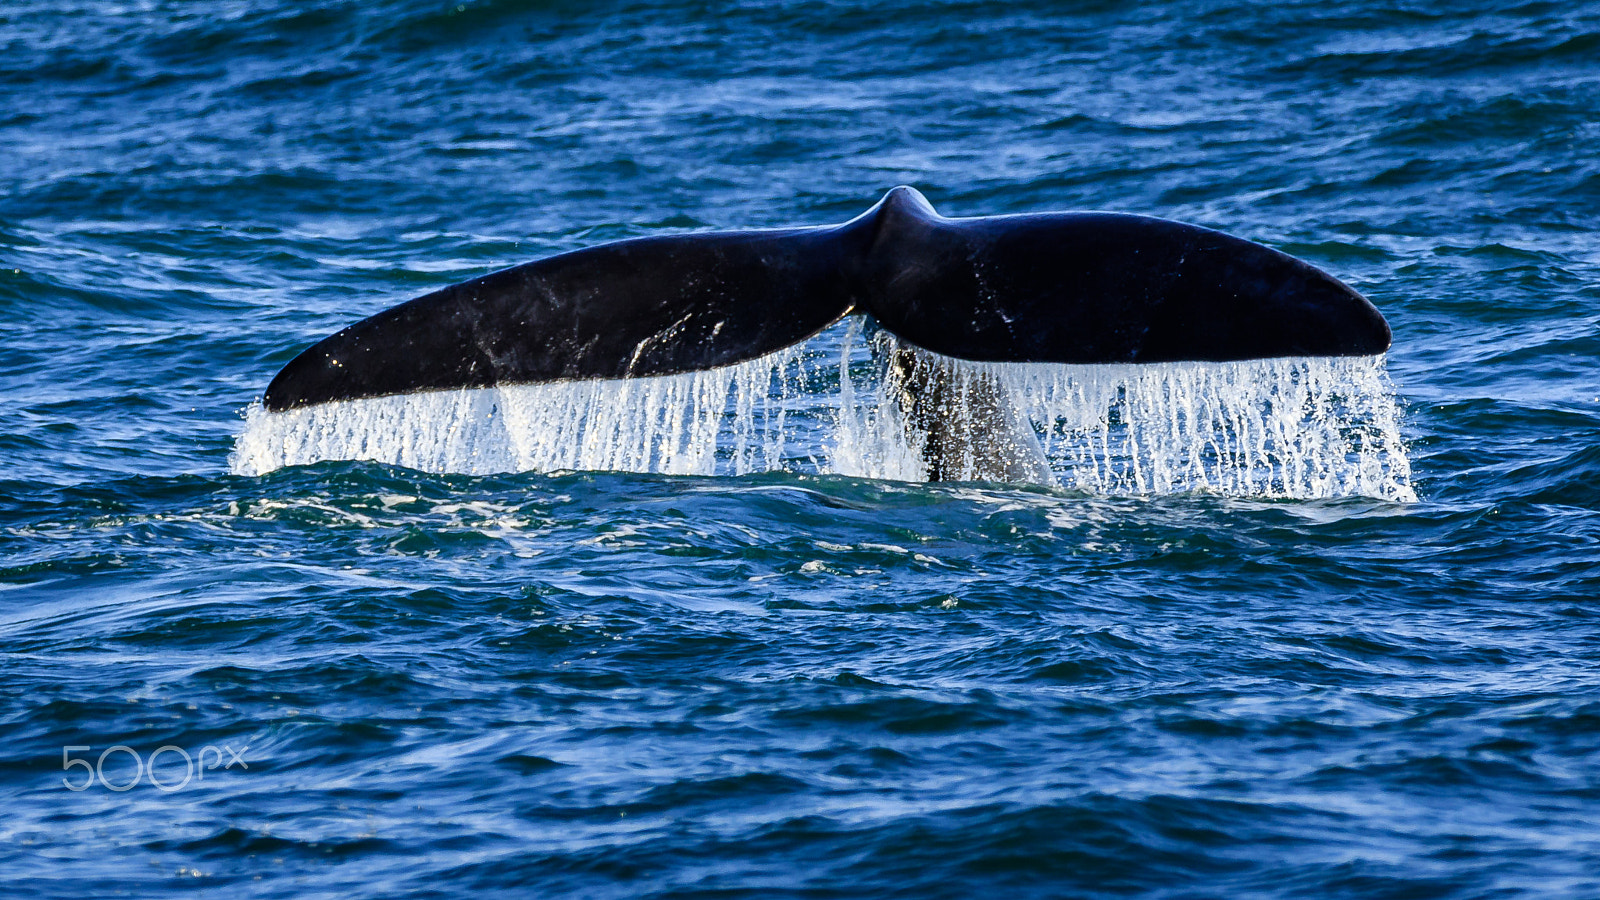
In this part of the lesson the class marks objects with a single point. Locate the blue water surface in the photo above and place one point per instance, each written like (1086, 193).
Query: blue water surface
(390, 683)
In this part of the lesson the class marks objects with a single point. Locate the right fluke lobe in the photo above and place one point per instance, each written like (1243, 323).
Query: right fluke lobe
(1104, 288)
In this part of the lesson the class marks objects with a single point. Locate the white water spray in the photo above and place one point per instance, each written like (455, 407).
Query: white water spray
(1292, 428)
(729, 420)
(1300, 428)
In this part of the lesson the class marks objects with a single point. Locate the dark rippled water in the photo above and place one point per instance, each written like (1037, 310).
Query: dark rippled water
(621, 685)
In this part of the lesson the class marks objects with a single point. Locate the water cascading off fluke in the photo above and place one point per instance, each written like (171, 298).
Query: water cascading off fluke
(1293, 428)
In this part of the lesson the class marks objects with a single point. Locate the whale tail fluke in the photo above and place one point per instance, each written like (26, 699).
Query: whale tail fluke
(1055, 287)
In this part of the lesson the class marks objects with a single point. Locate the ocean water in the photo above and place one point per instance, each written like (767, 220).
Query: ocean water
(798, 675)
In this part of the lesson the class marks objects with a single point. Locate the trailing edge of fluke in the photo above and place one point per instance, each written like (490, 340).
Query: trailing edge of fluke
(1051, 287)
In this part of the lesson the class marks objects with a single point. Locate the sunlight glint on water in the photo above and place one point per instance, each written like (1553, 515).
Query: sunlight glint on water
(1295, 428)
